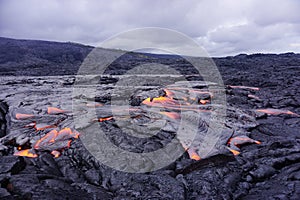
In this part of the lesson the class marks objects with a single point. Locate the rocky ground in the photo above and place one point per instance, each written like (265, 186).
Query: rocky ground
(268, 109)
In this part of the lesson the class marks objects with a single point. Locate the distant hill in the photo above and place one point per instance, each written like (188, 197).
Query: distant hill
(35, 57)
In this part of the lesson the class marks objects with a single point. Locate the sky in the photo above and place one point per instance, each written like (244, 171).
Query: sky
(221, 27)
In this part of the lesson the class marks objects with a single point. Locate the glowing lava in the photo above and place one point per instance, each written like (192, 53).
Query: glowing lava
(23, 116)
(54, 136)
(55, 111)
(254, 97)
(235, 143)
(40, 127)
(169, 93)
(48, 138)
(104, 119)
(234, 152)
(31, 125)
(26, 153)
(172, 115)
(55, 153)
(242, 140)
(244, 87)
(202, 101)
(193, 155)
(272, 111)
(158, 101)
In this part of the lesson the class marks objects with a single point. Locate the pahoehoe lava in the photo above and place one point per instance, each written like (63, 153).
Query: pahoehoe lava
(263, 108)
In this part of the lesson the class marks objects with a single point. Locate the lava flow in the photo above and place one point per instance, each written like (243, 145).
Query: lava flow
(53, 141)
(193, 154)
(26, 153)
(55, 153)
(158, 101)
(170, 102)
(202, 101)
(243, 87)
(48, 138)
(54, 111)
(272, 111)
(54, 136)
(23, 116)
(172, 115)
(104, 119)
(169, 93)
(251, 96)
(235, 143)
(40, 127)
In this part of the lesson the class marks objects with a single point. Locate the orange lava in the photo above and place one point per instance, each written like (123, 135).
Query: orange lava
(40, 128)
(26, 153)
(160, 101)
(242, 140)
(55, 153)
(172, 115)
(54, 111)
(193, 155)
(235, 152)
(272, 111)
(104, 119)
(254, 97)
(202, 101)
(23, 116)
(48, 138)
(235, 142)
(64, 134)
(169, 93)
(244, 87)
(31, 125)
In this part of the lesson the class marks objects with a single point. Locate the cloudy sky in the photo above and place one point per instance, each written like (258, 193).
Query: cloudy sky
(222, 27)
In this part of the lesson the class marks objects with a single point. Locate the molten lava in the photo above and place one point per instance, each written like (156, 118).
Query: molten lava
(239, 140)
(54, 136)
(244, 87)
(234, 152)
(52, 141)
(26, 153)
(31, 125)
(40, 127)
(55, 111)
(172, 115)
(158, 101)
(272, 111)
(104, 119)
(55, 153)
(66, 132)
(235, 143)
(181, 103)
(23, 116)
(48, 138)
(251, 96)
(202, 101)
(193, 155)
(169, 93)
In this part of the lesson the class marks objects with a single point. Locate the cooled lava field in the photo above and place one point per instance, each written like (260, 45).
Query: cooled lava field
(50, 124)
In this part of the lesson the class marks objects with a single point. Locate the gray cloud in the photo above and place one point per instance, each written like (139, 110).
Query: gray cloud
(222, 27)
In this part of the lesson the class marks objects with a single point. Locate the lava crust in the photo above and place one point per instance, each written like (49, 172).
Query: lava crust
(257, 155)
